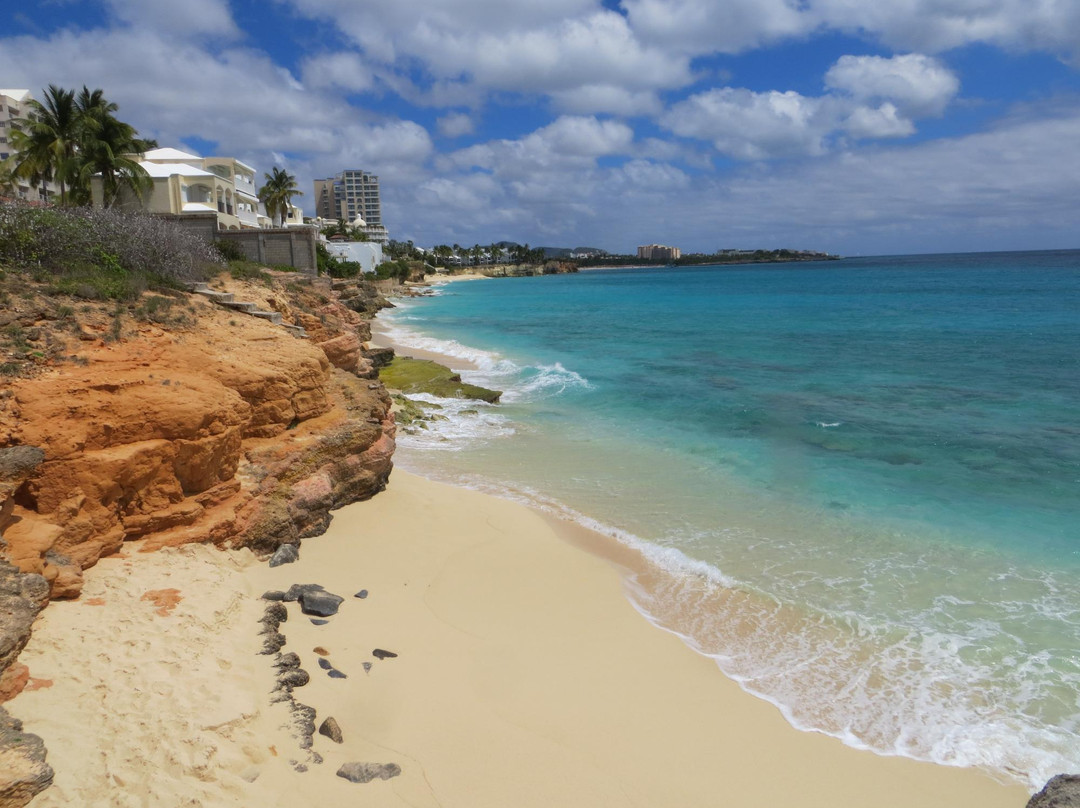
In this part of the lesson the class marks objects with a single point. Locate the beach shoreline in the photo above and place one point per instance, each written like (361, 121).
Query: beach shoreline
(523, 676)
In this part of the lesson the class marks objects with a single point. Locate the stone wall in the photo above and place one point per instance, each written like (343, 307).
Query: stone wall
(290, 246)
(279, 246)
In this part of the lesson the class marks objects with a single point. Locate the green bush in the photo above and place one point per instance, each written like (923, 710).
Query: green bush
(101, 254)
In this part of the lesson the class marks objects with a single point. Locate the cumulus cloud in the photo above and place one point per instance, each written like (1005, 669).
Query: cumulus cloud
(753, 126)
(455, 124)
(609, 99)
(869, 97)
(568, 142)
(206, 17)
(344, 69)
(706, 26)
(917, 85)
(934, 26)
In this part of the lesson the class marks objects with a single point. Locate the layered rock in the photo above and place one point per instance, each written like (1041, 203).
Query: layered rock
(234, 433)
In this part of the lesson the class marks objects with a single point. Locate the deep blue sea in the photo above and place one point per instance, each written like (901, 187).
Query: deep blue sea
(857, 481)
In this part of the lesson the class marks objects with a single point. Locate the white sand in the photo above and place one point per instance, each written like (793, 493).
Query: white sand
(524, 678)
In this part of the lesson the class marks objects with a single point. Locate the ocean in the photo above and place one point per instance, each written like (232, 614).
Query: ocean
(856, 482)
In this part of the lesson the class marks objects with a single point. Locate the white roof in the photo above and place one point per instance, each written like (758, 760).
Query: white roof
(168, 169)
(18, 95)
(169, 154)
(359, 222)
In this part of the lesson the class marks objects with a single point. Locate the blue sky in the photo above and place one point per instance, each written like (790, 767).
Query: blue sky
(854, 126)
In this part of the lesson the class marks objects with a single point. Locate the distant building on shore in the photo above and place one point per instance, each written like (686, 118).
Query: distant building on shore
(658, 252)
(15, 104)
(352, 193)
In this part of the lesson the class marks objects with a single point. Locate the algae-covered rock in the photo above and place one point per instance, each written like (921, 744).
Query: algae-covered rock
(424, 376)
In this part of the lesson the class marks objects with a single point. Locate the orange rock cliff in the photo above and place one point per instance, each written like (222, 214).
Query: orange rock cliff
(207, 425)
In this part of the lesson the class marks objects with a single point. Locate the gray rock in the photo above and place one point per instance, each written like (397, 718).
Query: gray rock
(331, 730)
(296, 590)
(297, 677)
(274, 615)
(1061, 791)
(334, 673)
(366, 772)
(318, 622)
(367, 667)
(274, 594)
(320, 603)
(273, 641)
(303, 722)
(285, 554)
(324, 663)
(361, 594)
(24, 772)
(287, 661)
(379, 653)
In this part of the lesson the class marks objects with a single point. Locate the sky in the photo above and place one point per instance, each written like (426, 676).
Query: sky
(859, 127)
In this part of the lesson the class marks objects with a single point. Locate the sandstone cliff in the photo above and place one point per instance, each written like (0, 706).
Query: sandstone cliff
(208, 425)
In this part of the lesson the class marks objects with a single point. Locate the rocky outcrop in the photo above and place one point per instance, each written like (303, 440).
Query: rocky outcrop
(1062, 791)
(235, 433)
(224, 429)
(23, 770)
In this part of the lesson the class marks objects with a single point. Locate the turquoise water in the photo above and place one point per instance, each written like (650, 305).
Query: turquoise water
(857, 480)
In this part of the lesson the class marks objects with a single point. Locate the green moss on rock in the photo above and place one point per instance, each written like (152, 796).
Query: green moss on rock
(424, 376)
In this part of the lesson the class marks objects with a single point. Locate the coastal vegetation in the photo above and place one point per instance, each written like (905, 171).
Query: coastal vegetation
(277, 193)
(69, 137)
(101, 253)
(724, 256)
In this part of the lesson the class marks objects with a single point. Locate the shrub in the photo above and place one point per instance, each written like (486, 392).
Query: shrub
(96, 253)
(230, 250)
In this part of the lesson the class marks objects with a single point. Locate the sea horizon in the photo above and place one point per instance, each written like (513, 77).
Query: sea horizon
(881, 549)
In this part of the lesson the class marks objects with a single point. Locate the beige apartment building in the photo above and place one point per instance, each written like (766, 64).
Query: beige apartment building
(15, 104)
(351, 195)
(658, 252)
(185, 183)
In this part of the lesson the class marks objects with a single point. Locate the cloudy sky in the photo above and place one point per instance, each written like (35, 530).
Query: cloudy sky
(854, 126)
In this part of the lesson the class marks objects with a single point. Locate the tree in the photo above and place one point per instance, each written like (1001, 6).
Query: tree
(46, 140)
(277, 193)
(108, 147)
(68, 139)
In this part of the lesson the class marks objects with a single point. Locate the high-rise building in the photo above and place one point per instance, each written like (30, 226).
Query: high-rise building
(350, 195)
(659, 252)
(15, 104)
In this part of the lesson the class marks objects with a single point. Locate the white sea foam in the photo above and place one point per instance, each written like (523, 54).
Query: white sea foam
(824, 425)
(458, 423)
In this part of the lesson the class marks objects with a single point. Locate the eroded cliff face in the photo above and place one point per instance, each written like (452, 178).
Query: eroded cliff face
(225, 429)
(230, 430)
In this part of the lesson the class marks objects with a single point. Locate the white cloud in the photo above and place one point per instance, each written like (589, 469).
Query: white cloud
(753, 126)
(568, 142)
(607, 99)
(937, 25)
(344, 69)
(880, 122)
(207, 17)
(455, 124)
(870, 97)
(707, 26)
(917, 85)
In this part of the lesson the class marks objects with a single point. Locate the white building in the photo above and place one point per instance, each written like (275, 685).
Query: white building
(369, 254)
(15, 104)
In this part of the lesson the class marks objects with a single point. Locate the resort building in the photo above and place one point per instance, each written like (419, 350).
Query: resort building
(658, 252)
(350, 195)
(185, 183)
(15, 104)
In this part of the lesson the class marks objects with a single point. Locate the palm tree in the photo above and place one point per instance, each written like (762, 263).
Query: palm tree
(108, 147)
(47, 139)
(277, 193)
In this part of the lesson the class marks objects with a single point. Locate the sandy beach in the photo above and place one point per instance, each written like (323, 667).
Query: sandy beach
(523, 677)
